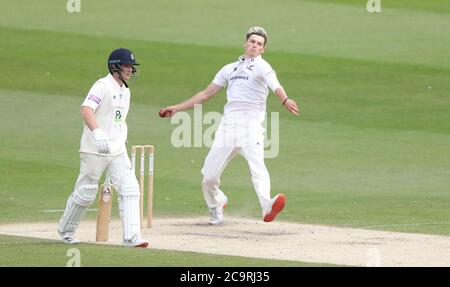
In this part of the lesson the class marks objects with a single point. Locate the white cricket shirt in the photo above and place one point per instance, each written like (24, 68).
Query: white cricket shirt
(247, 82)
(111, 103)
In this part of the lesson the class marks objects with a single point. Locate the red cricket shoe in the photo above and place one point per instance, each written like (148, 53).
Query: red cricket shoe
(276, 206)
(142, 245)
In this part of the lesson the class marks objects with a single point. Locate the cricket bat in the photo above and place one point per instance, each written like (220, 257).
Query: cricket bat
(104, 212)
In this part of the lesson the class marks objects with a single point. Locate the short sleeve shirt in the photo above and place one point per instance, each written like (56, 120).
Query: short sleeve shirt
(247, 82)
(110, 103)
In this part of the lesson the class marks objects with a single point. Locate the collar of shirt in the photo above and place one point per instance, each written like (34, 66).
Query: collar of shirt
(114, 83)
(242, 59)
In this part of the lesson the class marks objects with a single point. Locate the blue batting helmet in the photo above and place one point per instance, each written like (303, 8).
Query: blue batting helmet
(119, 57)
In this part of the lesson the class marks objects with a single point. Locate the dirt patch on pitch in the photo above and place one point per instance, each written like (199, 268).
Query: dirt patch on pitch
(277, 240)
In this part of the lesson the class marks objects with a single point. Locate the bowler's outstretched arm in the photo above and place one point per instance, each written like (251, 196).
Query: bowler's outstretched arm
(198, 98)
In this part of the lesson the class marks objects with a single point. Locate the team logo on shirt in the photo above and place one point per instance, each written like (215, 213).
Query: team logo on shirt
(250, 67)
(95, 99)
(118, 116)
(239, 78)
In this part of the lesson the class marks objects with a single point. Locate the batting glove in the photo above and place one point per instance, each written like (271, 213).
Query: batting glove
(102, 142)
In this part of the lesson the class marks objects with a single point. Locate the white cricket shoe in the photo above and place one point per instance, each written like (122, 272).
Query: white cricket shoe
(216, 213)
(274, 207)
(136, 242)
(68, 238)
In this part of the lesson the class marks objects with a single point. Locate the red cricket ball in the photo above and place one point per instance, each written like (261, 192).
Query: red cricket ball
(162, 114)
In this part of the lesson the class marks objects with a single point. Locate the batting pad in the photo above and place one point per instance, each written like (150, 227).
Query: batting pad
(77, 204)
(129, 207)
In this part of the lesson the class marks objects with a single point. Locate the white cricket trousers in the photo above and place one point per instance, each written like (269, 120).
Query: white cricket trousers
(237, 134)
(118, 168)
(92, 167)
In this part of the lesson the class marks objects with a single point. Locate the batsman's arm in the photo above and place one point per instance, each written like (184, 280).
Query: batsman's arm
(100, 138)
(287, 102)
(198, 98)
(88, 116)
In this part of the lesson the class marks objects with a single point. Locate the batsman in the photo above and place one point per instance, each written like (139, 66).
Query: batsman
(240, 131)
(104, 112)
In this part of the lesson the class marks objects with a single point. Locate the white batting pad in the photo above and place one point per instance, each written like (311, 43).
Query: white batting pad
(129, 206)
(76, 207)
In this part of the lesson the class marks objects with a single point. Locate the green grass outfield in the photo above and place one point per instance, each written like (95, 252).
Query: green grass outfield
(371, 149)
(30, 252)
